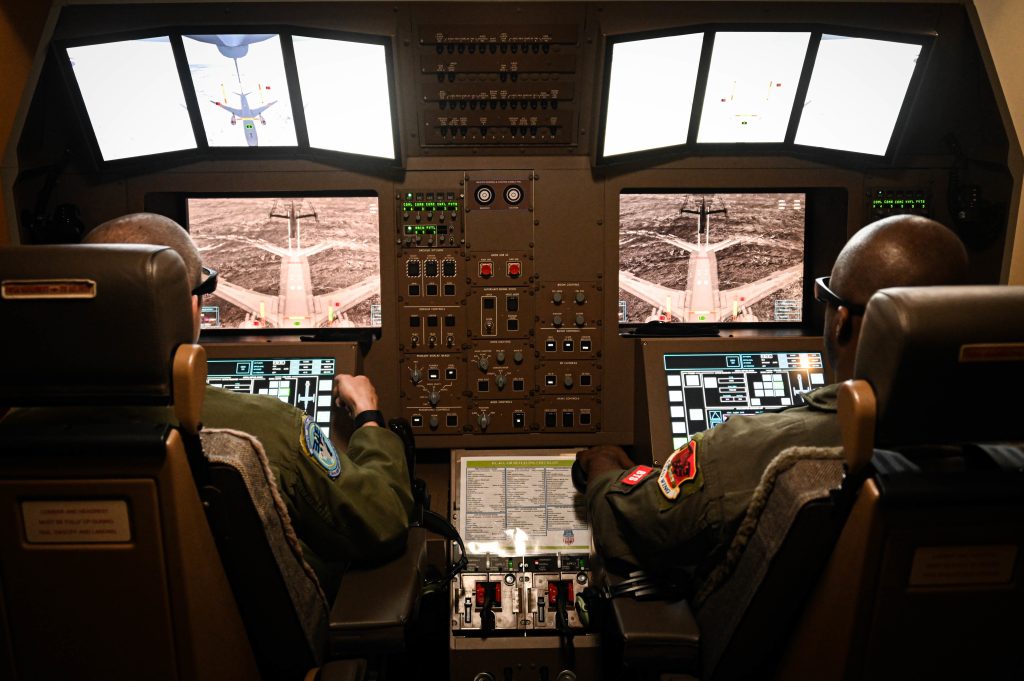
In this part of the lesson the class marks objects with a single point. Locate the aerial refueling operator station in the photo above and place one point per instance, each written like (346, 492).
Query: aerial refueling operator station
(536, 226)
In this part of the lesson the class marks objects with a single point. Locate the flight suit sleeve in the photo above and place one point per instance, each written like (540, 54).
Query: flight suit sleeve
(351, 505)
(679, 516)
(633, 521)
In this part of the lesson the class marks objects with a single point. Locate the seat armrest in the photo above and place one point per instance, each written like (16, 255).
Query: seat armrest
(340, 670)
(663, 631)
(651, 636)
(374, 605)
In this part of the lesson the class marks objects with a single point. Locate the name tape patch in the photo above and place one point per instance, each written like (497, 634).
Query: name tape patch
(57, 289)
(636, 475)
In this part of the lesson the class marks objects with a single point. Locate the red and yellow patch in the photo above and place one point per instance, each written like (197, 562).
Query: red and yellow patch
(679, 470)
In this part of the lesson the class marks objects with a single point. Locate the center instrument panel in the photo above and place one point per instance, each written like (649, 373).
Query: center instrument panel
(486, 343)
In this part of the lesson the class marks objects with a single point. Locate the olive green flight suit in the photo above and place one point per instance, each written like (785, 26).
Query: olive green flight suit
(638, 524)
(359, 514)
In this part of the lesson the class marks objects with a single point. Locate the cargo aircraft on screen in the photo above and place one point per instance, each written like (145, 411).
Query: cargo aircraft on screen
(702, 300)
(296, 306)
(248, 116)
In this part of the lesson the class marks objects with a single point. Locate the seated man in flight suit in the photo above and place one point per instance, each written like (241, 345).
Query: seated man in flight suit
(680, 519)
(345, 506)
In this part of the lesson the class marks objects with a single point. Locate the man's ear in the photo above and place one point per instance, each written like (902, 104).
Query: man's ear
(842, 325)
(196, 319)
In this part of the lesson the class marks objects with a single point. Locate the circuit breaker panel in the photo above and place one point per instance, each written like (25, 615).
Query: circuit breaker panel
(486, 346)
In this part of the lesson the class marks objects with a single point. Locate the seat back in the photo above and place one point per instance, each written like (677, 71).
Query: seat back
(108, 568)
(278, 594)
(754, 596)
(926, 578)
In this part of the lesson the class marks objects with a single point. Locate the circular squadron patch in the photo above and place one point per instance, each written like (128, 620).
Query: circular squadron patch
(319, 447)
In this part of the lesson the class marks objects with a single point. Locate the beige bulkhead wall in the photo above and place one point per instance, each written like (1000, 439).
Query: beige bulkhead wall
(999, 21)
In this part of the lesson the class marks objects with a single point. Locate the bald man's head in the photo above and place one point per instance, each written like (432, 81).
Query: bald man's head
(902, 250)
(150, 228)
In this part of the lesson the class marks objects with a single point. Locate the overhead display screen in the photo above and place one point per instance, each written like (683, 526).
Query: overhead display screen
(856, 92)
(239, 80)
(707, 258)
(751, 86)
(650, 93)
(133, 97)
(329, 72)
(289, 262)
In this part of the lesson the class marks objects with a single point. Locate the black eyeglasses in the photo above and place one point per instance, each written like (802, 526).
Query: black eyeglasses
(823, 294)
(209, 283)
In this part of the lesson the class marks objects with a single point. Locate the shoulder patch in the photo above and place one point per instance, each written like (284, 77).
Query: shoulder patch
(680, 471)
(319, 447)
(636, 475)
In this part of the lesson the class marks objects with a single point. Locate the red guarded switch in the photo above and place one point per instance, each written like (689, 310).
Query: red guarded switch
(486, 269)
(555, 587)
(514, 269)
(485, 589)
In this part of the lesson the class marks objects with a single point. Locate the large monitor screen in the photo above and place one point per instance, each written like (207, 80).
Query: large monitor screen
(303, 382)
(857, 89)
(290, 262)
(133, 97)
(240, 82)
(329, 72)
(711, 257)
(751, 86)
(650, 93)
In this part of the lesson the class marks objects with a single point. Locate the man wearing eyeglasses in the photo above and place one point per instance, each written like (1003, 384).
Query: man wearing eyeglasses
(681, 518)
(345, 506)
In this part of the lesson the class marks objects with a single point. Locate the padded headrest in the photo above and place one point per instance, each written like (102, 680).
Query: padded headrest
(91, 323)
(946, 363)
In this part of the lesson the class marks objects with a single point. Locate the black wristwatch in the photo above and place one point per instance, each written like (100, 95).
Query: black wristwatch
(365, 417)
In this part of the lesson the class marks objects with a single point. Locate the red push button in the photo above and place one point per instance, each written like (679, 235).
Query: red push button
(514, 269)
(486, 269)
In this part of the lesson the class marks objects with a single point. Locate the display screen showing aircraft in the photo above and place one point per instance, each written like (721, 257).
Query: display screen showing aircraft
(237, 78)
(295, 262)
(727, 257)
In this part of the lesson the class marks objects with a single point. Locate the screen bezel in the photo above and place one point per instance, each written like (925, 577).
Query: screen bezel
(806, 303)
(656, 409)
(203, 151)
(788, 147)
(317, 333)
